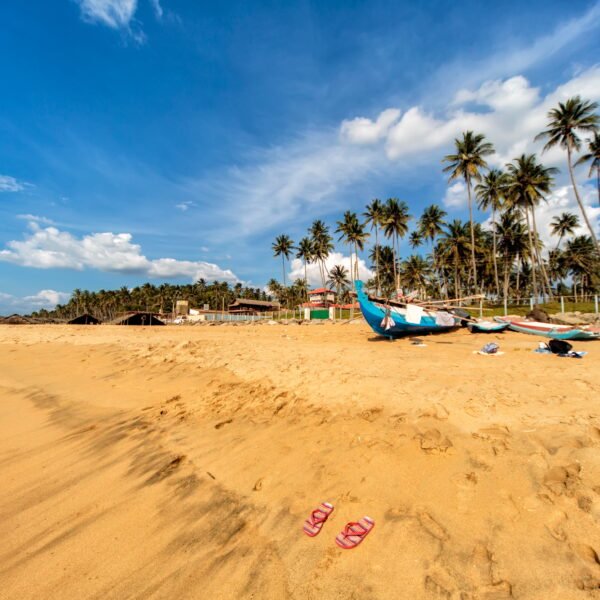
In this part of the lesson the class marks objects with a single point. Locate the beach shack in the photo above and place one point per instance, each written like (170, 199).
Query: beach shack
(321, 298)
(137, 318)
(84, 319)
(16, 320)
(245, 306)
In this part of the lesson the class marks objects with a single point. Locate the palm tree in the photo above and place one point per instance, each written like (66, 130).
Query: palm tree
(528, 182)
(415, 273)
(563, 123)
(454, 248)
(415, 239)
(283, 247)
(565, 224)
(430, 227)
(305, 253)
(375, 216)
(352, 233)
(581, 261)
(594, 157)
(338, 279)
(395, 227)
(490, 194)
(322, 245)
(467, 164)
(386, 271)
(512, 242)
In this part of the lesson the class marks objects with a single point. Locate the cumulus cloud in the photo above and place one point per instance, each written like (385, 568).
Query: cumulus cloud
(43, 299)
(509, 112)
(10, 184)
(313, 273)
(365, 131)
(456, 195)
(183, 206)
(49, 247)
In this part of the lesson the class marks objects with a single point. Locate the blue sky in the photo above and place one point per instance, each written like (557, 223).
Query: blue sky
(167, 140)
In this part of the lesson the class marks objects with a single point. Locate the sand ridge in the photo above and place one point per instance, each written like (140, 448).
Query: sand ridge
(181, 462)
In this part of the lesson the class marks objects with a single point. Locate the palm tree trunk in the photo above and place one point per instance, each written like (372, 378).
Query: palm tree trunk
(283, 268)
(377, 258)
(581, 207)
(598, 182)
(532, 257)
(305, 281)
(473, 265)
(494, 250)
(539, 256)
(518, 292)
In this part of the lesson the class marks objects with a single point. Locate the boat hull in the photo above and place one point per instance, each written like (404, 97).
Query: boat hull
(549, 330)
(375, 314)
(488, 327)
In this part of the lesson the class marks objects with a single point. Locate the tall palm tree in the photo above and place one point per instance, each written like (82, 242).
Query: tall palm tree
(564, 224)
(375, 216)
(352, 232)
(593, 156)
(490, 195)
(322, 245)
(386, 269)
(467, 164)
(430, 227)
(454, 248)
(305, 253)
(528, 182)
(283, 247)
(563, 123)
(512, 242)
(581, 261)
(396, 227)
(338, 279)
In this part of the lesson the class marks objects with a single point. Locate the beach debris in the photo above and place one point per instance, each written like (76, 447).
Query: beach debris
(491, 349)
(417, 342)
(354, 533)
(543, 349)
(258, 485)
(314, 523)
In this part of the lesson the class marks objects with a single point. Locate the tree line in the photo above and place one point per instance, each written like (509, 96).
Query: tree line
(505, 259)
(108, 304)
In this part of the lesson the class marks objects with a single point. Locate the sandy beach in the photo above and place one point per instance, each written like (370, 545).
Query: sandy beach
(181, 463)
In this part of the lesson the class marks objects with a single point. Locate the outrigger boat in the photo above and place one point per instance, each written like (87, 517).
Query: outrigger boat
(394, 320)
(549, 330)
(487, 326)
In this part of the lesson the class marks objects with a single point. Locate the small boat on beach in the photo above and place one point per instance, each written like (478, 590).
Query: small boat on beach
(392, 320)
(549, 330)
(487, 326)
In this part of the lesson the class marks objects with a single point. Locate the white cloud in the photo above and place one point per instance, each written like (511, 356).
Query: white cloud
(47, 248)
(509, 112)
(183, 206)
(43, 299)
(365, 131)
(113, 13)
(314, 275)
(10, 184)
(36, 219)
(562, 200)
(456, 195)
(158, 11)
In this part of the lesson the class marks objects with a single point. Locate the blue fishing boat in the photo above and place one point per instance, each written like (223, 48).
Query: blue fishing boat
(393, 321)
(549, 330)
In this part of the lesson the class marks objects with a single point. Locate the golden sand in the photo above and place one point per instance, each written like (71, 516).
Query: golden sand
(181, 462)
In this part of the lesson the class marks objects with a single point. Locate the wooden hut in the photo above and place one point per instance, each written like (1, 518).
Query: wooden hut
(137, 318)
(243, 306)
(84, 319)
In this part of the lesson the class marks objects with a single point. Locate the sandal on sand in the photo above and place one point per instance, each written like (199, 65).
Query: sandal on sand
(314, 523)
(354, 533)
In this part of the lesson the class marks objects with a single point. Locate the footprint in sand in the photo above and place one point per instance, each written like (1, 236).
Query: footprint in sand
(434, 442)
(555, 525)
(431, 526)
(562, 480)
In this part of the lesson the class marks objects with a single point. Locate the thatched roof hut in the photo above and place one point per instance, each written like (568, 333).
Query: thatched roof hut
(137, 318)
(246, 306)
(16, 320)
(84, 319)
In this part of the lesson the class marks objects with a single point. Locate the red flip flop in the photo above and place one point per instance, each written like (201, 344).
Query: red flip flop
(354, 533)
(314, 523)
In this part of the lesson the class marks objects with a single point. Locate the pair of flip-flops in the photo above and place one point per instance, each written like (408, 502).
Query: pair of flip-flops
(350, 537)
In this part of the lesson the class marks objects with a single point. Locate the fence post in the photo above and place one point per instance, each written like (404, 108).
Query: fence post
(481, 308)
(505, 305)
(562, 304)
(596, 303)
(531, 303)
